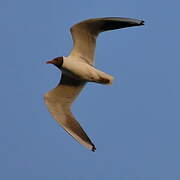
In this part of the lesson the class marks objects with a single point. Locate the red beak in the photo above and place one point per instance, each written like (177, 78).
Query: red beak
(48, 62)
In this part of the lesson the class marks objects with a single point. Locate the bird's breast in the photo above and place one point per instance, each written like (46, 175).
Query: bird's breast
(78, 70)
(85, 72)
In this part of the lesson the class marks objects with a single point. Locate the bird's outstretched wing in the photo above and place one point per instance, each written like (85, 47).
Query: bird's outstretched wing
(84, 34)
(59, 102)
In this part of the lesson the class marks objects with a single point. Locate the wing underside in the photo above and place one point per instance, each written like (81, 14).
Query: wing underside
(84, 34)
(59, 102)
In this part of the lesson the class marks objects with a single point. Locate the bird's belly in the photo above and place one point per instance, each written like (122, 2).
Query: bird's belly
(87, 72)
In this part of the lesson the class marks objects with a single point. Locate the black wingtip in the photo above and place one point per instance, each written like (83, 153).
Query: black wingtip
(93, 148)
(142, 22)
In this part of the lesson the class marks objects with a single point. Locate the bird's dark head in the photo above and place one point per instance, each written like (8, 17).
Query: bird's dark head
(58, 62)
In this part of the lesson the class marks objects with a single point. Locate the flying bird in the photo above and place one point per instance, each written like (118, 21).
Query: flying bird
(78, 69)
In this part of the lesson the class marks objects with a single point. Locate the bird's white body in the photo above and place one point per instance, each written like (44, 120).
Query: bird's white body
(81, 70)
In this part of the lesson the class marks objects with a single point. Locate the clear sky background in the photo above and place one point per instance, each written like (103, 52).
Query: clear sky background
(134, 123)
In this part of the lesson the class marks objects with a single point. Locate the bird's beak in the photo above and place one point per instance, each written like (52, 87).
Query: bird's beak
(48, 62)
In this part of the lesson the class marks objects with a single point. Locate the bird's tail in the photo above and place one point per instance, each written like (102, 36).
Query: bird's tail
(106, 81)
(104, 78)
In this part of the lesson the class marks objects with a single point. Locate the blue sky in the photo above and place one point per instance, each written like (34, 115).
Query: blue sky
(134, 123)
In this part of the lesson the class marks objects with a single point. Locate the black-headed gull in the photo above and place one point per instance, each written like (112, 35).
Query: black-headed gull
(77, 69)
